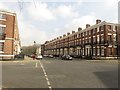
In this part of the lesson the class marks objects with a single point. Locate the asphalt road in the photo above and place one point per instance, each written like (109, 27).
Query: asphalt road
(56, 73)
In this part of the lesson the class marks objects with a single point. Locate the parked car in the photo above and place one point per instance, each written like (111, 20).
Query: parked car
(19, 56)
(39, 57)
(45, 55)
(30, 56)
(66, 57)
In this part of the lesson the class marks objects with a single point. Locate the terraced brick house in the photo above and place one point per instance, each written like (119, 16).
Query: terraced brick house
(99, 41)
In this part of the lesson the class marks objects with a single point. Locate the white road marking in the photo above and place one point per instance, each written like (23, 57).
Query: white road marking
(50, 88)
(48, 82)
(46, 77)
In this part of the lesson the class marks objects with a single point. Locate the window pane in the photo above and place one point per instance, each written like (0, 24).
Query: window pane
(1, 46)
(2, 16)
(2, 30)
(102, 51)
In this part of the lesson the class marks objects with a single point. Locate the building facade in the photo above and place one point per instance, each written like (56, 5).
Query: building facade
(96, 41)
(38, 50)
(9, 35)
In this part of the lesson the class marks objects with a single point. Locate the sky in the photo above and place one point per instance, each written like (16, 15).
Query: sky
(42, 20)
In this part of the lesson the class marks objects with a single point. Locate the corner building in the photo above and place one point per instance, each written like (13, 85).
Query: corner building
(9, 35)
(99, 41)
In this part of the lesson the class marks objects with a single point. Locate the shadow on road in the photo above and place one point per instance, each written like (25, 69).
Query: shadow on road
(109, 78)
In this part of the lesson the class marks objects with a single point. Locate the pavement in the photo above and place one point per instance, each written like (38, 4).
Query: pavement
(55, 73)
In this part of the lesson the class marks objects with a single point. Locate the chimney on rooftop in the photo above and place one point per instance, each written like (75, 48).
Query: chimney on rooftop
(79, 29)
(73, 32)
(64, 35)
(60, 36)
(98, 21)
(68, 33)
(87, 25)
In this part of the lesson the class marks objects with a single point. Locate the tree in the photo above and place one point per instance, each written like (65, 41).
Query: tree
(28, 50)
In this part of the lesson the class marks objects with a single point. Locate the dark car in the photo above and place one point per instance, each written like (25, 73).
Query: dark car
(66, 57)
(19, 56)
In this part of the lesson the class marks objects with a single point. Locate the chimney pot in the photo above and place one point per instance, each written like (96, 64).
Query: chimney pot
(73, 32)
(87, 25)
(68, 33)
(64, 35)
(60, 36)
(98, 21)
(79, 29)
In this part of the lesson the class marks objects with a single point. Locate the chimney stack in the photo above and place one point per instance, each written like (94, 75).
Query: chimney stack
(73, 32)
(64, 35)
(87, 25)
(98, 21)
(60, 36)
(68, 33)
(79, 29)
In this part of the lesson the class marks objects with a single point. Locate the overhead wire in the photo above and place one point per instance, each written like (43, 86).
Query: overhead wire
(20, 4)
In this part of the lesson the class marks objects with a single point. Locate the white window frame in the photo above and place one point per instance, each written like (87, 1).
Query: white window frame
(86, 40)
(94, 39)
(98, 51)
(98, 38)
(89, 32)
(98, 29)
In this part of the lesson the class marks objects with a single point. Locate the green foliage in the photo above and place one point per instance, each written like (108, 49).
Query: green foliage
(28, 50)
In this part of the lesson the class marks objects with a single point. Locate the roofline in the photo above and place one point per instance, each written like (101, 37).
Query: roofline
(85, 29)
(4, 11)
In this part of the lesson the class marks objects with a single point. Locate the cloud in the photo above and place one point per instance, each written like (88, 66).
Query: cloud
(74, 25)
(3, 6)
(65, 11)
(114, 21)
(111, 3)
(40, 11)
(56, 29)
(30, 33)
(79, 22)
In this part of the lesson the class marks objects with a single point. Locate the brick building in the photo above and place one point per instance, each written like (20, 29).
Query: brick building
(9, 35)
(96, 41)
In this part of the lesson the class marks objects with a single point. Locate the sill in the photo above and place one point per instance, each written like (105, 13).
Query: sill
(3, 19)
